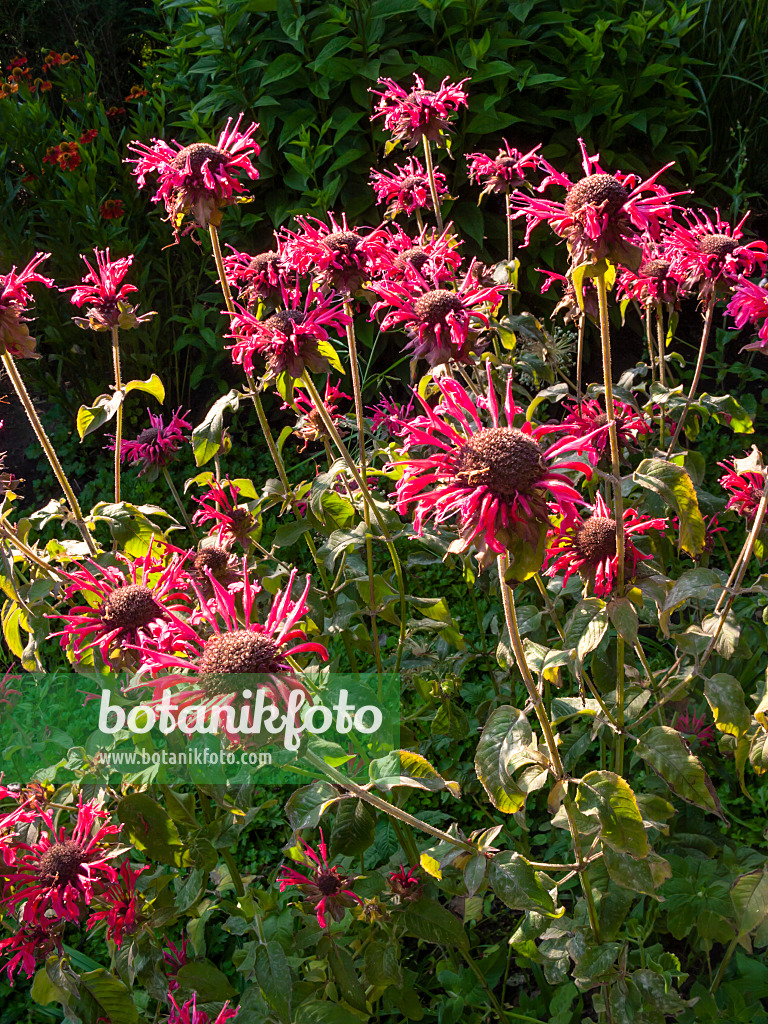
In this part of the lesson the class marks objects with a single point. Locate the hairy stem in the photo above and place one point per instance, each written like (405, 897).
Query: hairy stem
(119, 417)
(510, 247)
(433, 184)
(697, 372)
(580, 357)
(48, 448)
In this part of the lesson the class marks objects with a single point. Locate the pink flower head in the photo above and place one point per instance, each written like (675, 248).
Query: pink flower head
(175, 958)
(156, 446)
(341, 258)
(210, 560)
(14, 299)
(434, 256)
(189, 1013)
(389, 416)
(589, 547)
(709, 253)
(104, 293)
(569, 301)
(749, 305)
(591, 420)
(694, 726)
(119, 904)
(30, 945)
(292, 339)
(200, 180)
(746, 490)
(493, 479)
(442, 324)
(311, 426)
(601, 215)
(232, 522)
(323, 886)
(418, 114)
(504, 172)
(124, 606)
(236, 649)
(59, 872)
(407, 189)
(654, 281)
(405, 884)
(257, 277)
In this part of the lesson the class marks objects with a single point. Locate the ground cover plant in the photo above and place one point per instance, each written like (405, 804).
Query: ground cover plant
(571, 825)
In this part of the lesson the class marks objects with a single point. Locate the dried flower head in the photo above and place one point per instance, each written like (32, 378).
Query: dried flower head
(310, 426)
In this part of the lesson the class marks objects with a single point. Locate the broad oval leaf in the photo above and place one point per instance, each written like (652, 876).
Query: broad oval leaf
(664, 750)
(725, 695)
(405, 768)
(519, 886)
(749, 895)
(504, 728)
(621, 824)
(429, 920)
(674, 485)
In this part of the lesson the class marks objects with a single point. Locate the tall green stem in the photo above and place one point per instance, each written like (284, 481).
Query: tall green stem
(330, 426)
(433, 184)
(580, 357)
(662, 343)
(508, 601)
(179, 502)
(510, 247)
(48, 448)
(119, 418)
(697, 372)
(649, 340)
(618, 504)
(357, 390)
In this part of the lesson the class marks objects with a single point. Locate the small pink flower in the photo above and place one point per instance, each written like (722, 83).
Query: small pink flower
(200, 180)
(709, 253)
(601, 215)
(119, 905)
(189, 1013)
(435, 257)
(157, 446)
(504, 172)
(292, 339)
(14, 300)
(105, 294)
(29, 946)
(495, 480)
(746, 490)
(323, 886)
(257, 277)
(311, 426)
(749, 305)
(341, 258)
(418, 114)
(175, 958)
(405, 884)
(232, 522)
(589, 547)
(590, 419)
(389, 416)
(407, 189)
(569, 301)
(693, 726)
(442, 324)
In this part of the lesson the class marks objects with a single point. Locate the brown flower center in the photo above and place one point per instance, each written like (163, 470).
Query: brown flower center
(415, 257)
(148, 436)
(503, 459)
(411, 181)
(261, 264)
(717, 245)
(285, 320)
(215, 559)
(198, 153)
(653, 268)
(342, 242)
(243, 652)
(433, 307)
(596, 189)
(328, 882)
(60, 864)
(596, 540)
(130, 607)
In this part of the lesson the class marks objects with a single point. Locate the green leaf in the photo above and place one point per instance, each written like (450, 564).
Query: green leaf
(506, 729)
(519, 886)
(307, 805)
(274, 977)
(354, 829)
(44, 991)
(91, 417)
(623, 615)
(451, 721)
(111, 995)
(637, 875)
(594, 962)
(382, 964)
(151, 830)
(725, 695)
(694, 583)
(207, 438)
(405, 768)
(526, 559)
(346, 977)
(153, 386)
(206, 980)
(749, 895)
(664, 750)
(430, 921)
(586, 626)
(284, 66)
(621, 824)
(317, 1012)
(674, 485)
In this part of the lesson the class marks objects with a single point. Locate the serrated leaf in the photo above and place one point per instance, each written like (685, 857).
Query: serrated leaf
(274, 978)
(749, 895)
(725, 695)
(505, 728)
(111, 995)
(346, 977)
(307, 805)
(405, 768)
(674, 485)
(210, 984)
(519, 886)
(354, 829)
(664, 750)
(207, 437)
(623, 615)
(621, 824)
(694, 583)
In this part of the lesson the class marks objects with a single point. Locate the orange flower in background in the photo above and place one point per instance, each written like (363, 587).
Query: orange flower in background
(112, 209)
(138, 92)
(88, 135)
(114, 112)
